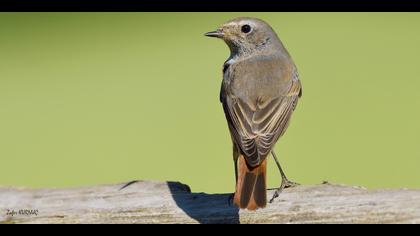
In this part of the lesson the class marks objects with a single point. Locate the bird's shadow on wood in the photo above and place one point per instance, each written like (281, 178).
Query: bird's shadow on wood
(204, 208)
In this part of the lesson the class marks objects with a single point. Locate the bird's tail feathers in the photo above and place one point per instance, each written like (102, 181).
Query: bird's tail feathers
(251, 185)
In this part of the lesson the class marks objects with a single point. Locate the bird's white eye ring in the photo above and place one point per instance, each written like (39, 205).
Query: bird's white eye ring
(246, 29)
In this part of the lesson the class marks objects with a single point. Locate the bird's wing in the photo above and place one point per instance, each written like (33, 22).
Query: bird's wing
(256, 129)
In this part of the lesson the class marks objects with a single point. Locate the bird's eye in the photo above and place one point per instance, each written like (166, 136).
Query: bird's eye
(246, 29)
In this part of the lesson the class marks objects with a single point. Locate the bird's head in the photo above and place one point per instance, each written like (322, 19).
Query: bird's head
(244, 35)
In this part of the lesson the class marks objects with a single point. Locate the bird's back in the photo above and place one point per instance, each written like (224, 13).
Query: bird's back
(256, 95)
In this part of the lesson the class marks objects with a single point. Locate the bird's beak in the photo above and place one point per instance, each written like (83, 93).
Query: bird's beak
(217, 33)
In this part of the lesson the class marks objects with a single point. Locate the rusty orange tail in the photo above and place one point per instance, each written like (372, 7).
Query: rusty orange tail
(251, 186)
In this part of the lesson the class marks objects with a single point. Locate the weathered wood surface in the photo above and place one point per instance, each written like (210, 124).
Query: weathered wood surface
(172, 202)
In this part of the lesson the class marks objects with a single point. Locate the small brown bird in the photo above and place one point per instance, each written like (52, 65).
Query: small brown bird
(259, 93)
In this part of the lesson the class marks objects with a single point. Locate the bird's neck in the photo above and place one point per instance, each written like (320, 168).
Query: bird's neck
(239, 51)
(243, 56)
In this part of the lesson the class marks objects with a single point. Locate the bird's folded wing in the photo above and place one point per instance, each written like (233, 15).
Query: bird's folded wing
(256, 129)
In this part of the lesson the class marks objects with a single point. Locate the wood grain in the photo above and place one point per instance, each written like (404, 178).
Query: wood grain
(173, 202)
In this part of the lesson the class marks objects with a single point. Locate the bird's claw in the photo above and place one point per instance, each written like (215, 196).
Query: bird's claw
(284, 184)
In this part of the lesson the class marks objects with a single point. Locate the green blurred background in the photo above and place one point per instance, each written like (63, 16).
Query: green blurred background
(95, 98)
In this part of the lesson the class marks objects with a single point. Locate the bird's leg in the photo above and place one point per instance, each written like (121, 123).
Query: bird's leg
(285, 183)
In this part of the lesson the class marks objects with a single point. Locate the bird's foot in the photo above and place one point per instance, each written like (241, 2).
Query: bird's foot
(285, 183)
(290, 184)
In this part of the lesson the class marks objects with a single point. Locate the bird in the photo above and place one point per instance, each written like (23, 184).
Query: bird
(259, 92)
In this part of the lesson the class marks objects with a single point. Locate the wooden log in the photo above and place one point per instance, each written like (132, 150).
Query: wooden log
(173, 202)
